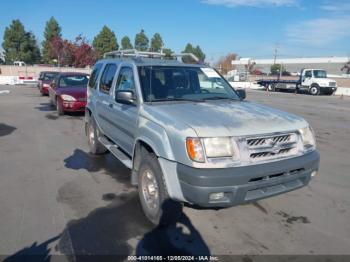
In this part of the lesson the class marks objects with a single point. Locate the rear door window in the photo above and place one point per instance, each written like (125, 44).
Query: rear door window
(107, 78)
(94, 75)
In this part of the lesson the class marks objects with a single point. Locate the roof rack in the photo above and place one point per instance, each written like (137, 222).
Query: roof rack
(136, 53)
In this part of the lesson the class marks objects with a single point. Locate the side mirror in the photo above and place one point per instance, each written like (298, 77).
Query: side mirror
(125, 97)
(241, 93)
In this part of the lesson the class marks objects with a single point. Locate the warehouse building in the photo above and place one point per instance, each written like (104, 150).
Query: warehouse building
(338, 66)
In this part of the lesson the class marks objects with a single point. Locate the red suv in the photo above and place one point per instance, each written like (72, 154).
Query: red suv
(45, 79)
(68, 92)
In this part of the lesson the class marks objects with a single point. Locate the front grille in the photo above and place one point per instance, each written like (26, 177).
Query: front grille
(272, 147)
(252, 142)
(332, 84)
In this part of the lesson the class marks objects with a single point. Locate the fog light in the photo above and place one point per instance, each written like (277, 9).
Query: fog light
(216, 196)
(314, 173)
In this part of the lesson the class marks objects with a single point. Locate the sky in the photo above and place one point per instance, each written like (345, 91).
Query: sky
(249, 28)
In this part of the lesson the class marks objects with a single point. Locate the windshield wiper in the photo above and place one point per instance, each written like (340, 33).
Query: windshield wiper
(219, 98)
(177, 99)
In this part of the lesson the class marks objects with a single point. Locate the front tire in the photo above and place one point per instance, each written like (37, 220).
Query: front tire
(96, 148)
(314, 90)
(154, 198)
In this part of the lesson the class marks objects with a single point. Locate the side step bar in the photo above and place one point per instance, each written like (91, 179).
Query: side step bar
(116, 152)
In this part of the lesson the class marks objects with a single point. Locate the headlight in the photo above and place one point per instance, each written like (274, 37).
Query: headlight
(218, 147)
(323, 84)
(67, 98)
(308, 138)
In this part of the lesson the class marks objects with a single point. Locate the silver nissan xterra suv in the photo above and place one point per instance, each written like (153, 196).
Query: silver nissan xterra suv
(188, 136)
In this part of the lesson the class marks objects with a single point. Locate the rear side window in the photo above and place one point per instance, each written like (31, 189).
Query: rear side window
(107, 78)
(94, 75)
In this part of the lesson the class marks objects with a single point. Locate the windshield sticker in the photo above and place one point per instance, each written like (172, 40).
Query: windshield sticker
(209, 72)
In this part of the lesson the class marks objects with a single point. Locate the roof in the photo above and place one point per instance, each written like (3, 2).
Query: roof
(45, 72)
(72, 73)
(143, 61)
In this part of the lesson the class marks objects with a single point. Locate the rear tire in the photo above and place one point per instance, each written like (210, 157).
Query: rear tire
(93, 134)
(155, 201)
(314, 90)
(271, 88)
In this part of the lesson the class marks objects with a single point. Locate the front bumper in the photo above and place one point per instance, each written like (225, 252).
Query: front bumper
(328, 88)
(74, 106)
(246, 184)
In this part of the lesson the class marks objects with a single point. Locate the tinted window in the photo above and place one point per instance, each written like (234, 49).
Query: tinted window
(126, 79)
(73, 81)
(94, 75)
(107, 78)
(308, 74)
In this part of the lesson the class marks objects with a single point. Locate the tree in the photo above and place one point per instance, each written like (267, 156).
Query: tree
(346, 68)
(225, 63)
(31, 51)
(126, 44)
(168, 52)
(83, 53)
(52, 30)
(105, 41)
(19, 44)
(156, 43)
(276, 68)
(141, 41)
(62, 51)
(197, 51)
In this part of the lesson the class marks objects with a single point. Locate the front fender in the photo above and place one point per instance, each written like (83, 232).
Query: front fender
(156, 137)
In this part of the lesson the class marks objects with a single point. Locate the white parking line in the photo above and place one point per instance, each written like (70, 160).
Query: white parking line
(4, 92)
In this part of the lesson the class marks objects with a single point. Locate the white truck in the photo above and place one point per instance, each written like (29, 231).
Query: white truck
(314, 81)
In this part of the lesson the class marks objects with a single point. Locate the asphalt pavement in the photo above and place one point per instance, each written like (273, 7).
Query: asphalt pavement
(55, 198)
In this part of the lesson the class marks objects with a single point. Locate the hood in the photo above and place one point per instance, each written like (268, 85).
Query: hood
(76, 92)
(225, 118)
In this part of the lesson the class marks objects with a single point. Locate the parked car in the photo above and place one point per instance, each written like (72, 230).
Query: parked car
(44, 81)
(188, 136)
(68, 92)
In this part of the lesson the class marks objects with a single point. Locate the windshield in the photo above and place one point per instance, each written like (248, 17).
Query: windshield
(166, 83)
(320, 73)
(49, 76)
(73, 81)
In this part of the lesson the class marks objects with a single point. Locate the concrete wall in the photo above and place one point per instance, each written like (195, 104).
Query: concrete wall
(34, 71)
